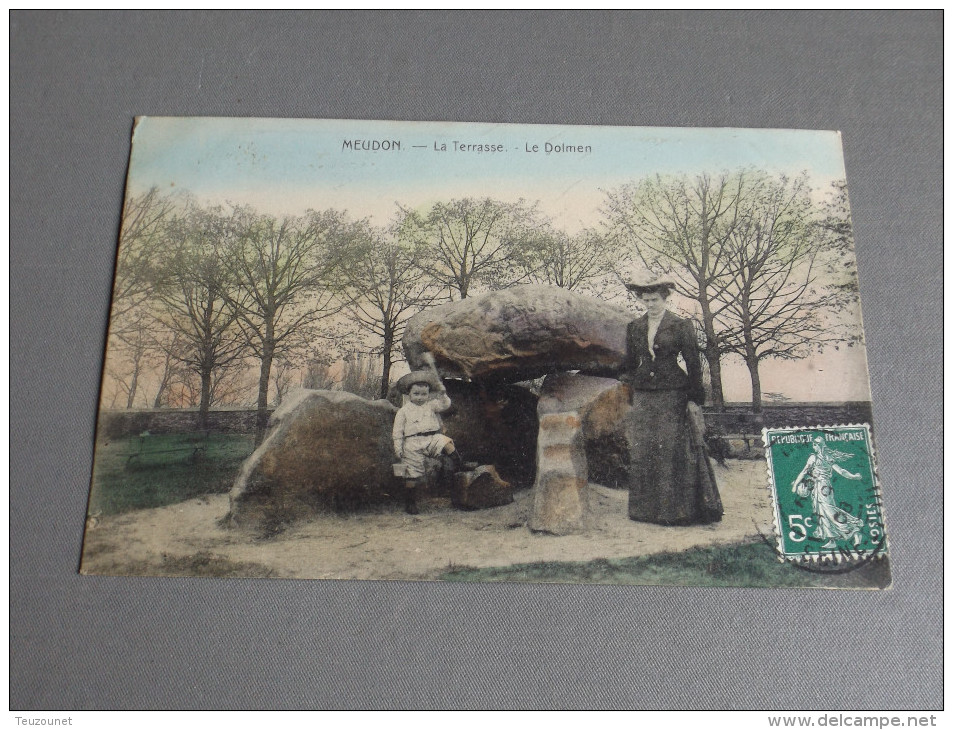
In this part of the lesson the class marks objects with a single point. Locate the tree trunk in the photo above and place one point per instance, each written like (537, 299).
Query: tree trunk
(261, 418)
(157, 403)
(164, 382)
(385, 374)
(132, 388)
(712, 351)
(752, 363)
(206, 400)
(713, 356)
(751, 359)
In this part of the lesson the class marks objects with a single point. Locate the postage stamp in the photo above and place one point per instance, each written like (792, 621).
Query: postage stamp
(827, 502)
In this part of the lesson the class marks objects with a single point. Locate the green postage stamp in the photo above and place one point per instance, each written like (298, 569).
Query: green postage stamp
(827, 504)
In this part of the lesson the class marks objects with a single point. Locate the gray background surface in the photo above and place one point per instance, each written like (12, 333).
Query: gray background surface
(77, 80)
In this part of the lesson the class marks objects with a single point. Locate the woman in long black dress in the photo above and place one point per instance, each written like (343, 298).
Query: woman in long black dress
(671, 479)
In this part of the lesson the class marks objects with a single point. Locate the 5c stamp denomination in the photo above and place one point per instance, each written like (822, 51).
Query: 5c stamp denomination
(827, 502)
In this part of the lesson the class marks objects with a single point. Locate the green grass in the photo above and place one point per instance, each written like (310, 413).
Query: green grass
(747, 565)
(202, 564)
(165, 469)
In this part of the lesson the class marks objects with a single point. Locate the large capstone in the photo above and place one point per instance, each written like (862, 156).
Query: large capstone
(323, 450)
(518, 334)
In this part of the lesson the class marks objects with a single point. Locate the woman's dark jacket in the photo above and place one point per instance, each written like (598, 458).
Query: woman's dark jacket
(675, 335)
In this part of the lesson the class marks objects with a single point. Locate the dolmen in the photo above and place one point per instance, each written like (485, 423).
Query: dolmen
(531, 373)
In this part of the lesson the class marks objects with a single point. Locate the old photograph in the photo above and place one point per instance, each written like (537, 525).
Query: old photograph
(486, 352)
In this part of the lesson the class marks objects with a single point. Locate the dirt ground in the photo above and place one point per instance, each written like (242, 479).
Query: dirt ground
(187, 538)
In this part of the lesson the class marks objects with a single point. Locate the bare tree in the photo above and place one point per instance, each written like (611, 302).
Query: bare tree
(183, 390)
(835, 225)
(471, 242)
(359, 375)
(284, 371)
(581, 262)
(285, 271)
(781, 292)
(125, 381)
(680, 225)
(233, 384)
(195, 298)
(317, 375)
(143, 235)
(169, 350)
(386, 286)
(129, 352)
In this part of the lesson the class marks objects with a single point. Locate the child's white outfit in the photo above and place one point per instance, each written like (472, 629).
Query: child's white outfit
(418, 434)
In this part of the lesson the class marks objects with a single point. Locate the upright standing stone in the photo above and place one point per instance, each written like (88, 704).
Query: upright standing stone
(561, 501)
(603, 423)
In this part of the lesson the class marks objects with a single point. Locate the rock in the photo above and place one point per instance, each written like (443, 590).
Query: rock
(519, 333)
(574, 411)
(323, 450)
(574, 392)
(603, 427)
(560, 503)
(493, 423)
(561, 498)
(479, 489)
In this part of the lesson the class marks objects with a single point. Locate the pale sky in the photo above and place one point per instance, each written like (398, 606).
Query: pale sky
(288, 166)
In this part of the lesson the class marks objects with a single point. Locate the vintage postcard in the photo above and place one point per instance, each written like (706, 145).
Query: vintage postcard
(486, 352)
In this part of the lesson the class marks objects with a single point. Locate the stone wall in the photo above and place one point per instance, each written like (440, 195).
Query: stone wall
(733, 418)
(737, 418)
(734, 431)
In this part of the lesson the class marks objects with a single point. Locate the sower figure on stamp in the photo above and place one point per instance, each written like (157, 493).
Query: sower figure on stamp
(816, 481)
(418, 430)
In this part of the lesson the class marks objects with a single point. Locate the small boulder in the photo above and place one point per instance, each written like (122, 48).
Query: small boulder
(518, 334)
(479, 489)
(323, 450)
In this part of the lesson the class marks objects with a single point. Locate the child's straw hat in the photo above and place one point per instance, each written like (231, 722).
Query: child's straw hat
(417, 376)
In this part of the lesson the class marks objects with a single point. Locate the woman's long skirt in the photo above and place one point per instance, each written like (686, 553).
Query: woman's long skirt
(671, 479)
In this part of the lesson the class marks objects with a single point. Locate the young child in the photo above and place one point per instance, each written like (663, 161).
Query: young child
(418, 430)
